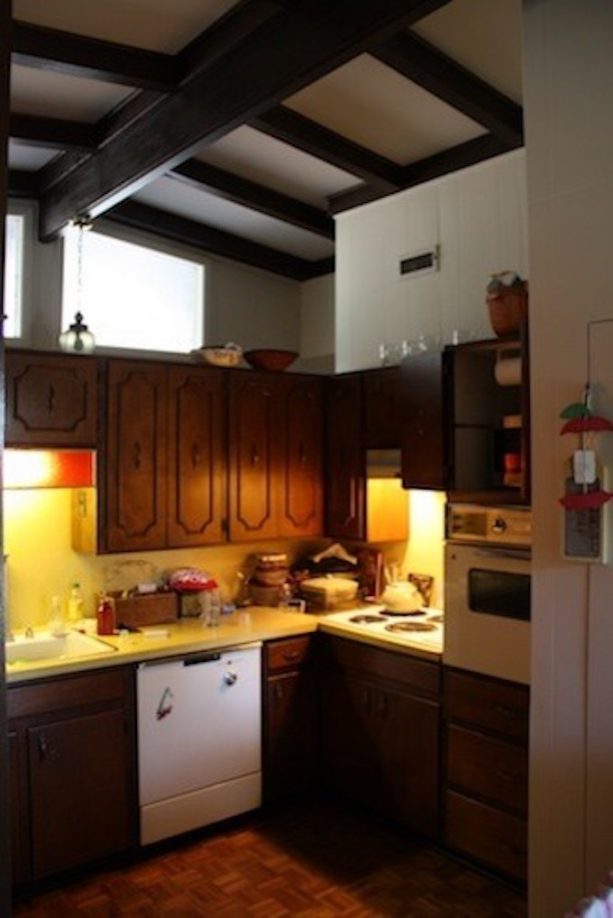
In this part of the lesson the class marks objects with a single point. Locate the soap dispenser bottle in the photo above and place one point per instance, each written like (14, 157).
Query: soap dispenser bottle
(75, 603)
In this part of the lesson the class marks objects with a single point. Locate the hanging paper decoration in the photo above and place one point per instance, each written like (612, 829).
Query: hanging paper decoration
(588, 500)
(586, 424)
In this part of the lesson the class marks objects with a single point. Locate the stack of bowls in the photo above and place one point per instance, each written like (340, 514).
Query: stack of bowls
(269, 578)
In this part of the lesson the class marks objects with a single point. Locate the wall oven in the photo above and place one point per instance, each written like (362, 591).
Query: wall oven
(487, 591)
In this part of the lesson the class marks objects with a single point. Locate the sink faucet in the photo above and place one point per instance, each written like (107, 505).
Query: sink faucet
(29, 632)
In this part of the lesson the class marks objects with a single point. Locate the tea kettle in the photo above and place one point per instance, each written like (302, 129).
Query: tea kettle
(402, 596)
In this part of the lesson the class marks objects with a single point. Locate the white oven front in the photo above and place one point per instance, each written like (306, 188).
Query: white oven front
(487, 610)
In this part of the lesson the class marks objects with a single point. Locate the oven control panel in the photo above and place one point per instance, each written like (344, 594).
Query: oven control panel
(504, 526)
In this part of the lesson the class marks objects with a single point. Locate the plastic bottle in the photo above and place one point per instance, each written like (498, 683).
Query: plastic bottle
(75, 603)
(57, 626)
(105, 615)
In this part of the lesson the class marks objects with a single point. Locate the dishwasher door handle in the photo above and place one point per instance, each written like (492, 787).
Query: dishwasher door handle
(198, 658)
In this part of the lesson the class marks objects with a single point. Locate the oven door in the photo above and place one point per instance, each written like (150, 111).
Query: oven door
(487, 610)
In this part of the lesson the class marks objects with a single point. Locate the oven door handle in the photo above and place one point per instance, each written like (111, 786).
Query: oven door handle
(517, 554)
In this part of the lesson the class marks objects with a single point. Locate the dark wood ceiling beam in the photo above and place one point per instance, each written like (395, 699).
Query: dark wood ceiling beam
(22, 184)
(239, 22)
(239, 190)
(300, 44)
(293, 128)
(422, 63)
(78, 55)
(53, 133)
(459, 157)
(209, 239)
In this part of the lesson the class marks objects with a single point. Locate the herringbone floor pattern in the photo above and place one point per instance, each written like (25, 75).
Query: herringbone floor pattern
(313, 860)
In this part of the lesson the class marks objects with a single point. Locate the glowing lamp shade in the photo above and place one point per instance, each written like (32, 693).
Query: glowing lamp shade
(77, 337)
(33, 468)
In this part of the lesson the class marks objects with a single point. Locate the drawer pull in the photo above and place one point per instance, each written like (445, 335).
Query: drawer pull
(51, 400)
(505, 776)
(291, 655)
(507, 848)
(504, 711)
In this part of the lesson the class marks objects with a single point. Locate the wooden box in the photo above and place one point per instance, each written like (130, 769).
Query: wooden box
(152, 609)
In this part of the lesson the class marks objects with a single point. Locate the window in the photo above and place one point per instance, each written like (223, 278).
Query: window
(13, 275)
(132, 296)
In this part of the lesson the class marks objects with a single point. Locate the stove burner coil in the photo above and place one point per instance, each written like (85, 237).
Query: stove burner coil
(413, 614)
(437, 619)
(410, 626)
(367, 619)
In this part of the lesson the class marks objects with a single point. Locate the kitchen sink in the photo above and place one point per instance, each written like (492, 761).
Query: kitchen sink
(44, 646)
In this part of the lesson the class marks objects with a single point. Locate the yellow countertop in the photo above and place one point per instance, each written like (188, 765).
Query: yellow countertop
(189, 635)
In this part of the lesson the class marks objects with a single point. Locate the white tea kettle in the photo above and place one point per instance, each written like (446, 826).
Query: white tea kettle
(402, 596)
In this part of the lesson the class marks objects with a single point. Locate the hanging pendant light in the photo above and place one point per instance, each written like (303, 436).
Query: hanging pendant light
(77, 338)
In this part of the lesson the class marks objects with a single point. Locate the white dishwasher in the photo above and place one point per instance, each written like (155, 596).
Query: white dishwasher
(199, 740)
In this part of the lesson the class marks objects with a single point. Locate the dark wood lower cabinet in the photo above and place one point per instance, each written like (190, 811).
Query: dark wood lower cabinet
(486, 772)
(74, 777)
(291, 736)
(380, 731)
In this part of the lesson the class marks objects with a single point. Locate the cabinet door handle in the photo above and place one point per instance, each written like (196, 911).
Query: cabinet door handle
(51, 400)
(255, 456)
(42, 748)
(301, 454)
(278, 692)
(136, 455)
(196, 456)
(291, 655)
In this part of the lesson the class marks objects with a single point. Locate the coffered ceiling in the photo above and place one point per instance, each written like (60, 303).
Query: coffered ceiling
(242, 127)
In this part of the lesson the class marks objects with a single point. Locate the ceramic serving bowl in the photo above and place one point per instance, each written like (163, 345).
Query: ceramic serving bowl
(268, 359)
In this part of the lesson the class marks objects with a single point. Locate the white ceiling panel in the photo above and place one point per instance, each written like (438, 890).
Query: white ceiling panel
(56, 95)
(152, 24)
(178, 198)
(482, 35)
(268, 161)
(29, 158)
(378, 108)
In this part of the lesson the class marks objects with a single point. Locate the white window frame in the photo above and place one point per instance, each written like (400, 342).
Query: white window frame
(24, 210)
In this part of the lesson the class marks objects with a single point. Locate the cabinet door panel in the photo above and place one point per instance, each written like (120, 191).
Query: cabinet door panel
(78, 790)
(196, 457)
(423, 440)
(383, 408)
(345, 459)
(136, 457)
(290, 734)
(301, 486)
(17, 813)
(254, 430)
(50, 400)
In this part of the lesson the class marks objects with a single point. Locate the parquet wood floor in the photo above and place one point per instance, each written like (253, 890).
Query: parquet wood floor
(314, 860)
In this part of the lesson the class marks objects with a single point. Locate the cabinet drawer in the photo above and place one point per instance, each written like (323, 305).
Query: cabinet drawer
(488, 767)
(488, 703)
(290, 653)
(490, 836)
(67, 692)
(353, 656)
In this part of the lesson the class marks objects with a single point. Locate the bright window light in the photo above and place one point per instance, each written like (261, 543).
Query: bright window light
(13, 275)
(132, 296)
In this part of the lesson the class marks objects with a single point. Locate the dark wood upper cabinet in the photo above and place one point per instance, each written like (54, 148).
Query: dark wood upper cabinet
(345, 458)
(255, 427)
(384, 407)
(164, 457)
(135, 492)
(275, 446)
(196, 457)
(50, 400)
(301, 444)
(423, 426)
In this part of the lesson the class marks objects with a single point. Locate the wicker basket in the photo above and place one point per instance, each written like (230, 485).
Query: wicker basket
(508, 308)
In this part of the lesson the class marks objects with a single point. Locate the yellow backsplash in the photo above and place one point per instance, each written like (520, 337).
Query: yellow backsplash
(42, 563)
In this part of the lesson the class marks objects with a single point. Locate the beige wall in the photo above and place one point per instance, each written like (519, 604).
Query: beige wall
(568, 79)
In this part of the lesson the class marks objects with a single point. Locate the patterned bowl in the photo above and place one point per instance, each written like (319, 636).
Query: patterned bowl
(222, 356)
